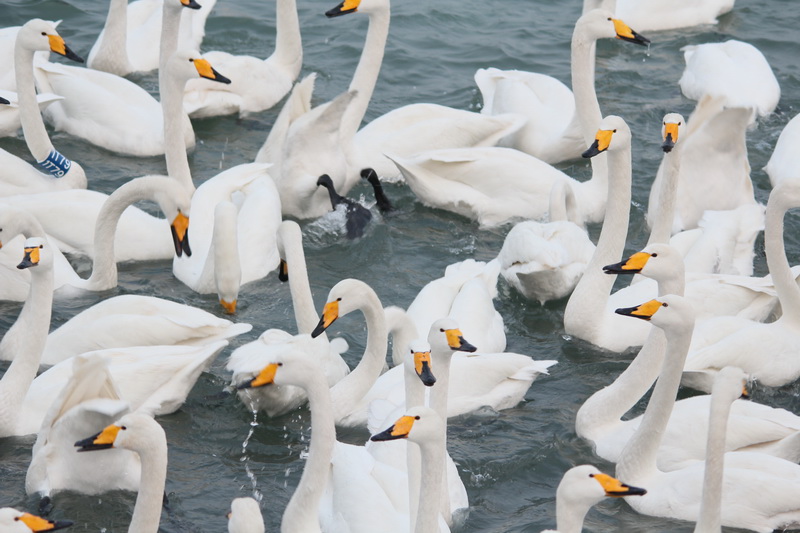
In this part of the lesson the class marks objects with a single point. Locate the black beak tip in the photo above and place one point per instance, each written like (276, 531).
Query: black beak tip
(245, 385)
(192, 5)
(220, 78)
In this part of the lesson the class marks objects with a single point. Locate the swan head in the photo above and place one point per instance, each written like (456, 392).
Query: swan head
(245, 515)
(445, 337)
(730, 383)
(420, 424)
(613, 134)
(358, 6)
(293, 362)
(418, 362)
(583, 486)
(601, 24)
(345, 297)
(187, 64)
(669, 312)
(36, 253)
(671, 128)
(137, 432)
(41, 35)
(657, 261)
(13, 521)
(191, 4)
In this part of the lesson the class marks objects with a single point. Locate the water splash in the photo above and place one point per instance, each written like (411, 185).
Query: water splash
(257, 495)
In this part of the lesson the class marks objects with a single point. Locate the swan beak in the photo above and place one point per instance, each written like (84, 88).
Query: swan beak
(625, 33)
(205, 70)
(616, 488)
(58, 46)
(632, 265)
(745, 393)
(230, 307)
(265, 377)
(670, 137)
(4, 101)
(644, 311)
(180, 235)
(31, 258)
(422, 365)
(102, 441)
(457, 342)
(399, 430)
(348, 6)
(283, 271)
(329, 313)
(600, 144)
(191, 4)
(37, 524)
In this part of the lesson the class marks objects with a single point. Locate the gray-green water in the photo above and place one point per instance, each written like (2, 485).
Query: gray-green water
(510, 462)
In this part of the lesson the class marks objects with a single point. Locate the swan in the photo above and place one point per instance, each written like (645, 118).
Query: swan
(9, 112)
(144, 436)
(557, 126)
(581, 487)
(258, 84)
(677, 494)
(122, 117)
(57, 171)
(783, 162)
(544, 261)
(735, 71)
(13, 521)
(129, 41)
(653, 15)
(764, 351)
(357, 217)
(245, 516)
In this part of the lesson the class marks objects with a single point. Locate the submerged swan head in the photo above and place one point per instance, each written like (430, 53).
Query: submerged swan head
(669, 312)
(41, 35)
(601, 24)
(13, 521)
(671, 130)
(613, 134)
(657, 261)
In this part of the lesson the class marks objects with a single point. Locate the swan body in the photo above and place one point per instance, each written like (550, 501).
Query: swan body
(129, 41)
(652, 15)
(712, 67)
(245, 516)
(557, 126)
(677, 494)
(257, 84)
(13, 521)
(783, 162)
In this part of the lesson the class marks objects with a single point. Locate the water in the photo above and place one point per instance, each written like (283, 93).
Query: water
(511, 462)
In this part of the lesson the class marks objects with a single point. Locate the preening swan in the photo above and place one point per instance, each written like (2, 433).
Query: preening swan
(13, 521)
(580, 489)
(145, 437)
(256, 84)
(557, 126)
(245, 516)
(654, 15)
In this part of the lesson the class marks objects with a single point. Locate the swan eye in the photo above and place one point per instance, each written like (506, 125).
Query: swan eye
(338, 299)
(280, 364)
(41, 246)
(679, 123)
(123, 427)
(442, 330)
(416, 417)
(653, 255)
(591, 475)
(613, 131)
(609, 19)
(44, 33)
(664, 304)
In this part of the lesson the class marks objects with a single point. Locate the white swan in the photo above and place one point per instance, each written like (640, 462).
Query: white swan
(57, 172)
(144, 436)
(677, 494)
(764, 351)
(245, 516)
(13, 521)
(256, 84)
(656, 16)
(581, 487)
(557, 126)
(544, 261)
(129, 41)
(715, 68)
(783, 163)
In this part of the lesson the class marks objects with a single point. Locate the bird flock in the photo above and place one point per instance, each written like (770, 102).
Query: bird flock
(104, 361)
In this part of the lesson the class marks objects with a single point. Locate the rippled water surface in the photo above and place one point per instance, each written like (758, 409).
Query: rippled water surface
(511, 462)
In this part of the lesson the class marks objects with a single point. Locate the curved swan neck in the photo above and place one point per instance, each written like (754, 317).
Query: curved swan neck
(638, 458)
(366, 75)
(29, 115)
(171, 88)
(777, 262)
(301, 511)
(665, 210)
(288, 41)
(710, 520)
(147, 511)
(112, 51)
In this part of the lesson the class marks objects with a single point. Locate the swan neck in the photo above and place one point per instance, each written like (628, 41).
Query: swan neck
(172, 88)
(665, 210)
(113, 49)
(147, 511)
(288, 41)
(709, 520)
(366, 74)
(29, 115)
(432, 459)
(439, 393)
(777, 262)
(302, 300)
(569, 517)
(587, 107)
(170, 27)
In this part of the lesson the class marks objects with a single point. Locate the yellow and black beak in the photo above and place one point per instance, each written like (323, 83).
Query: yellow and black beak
(205, 70)
(457, 342)
(422, 366)
(625, 33)
(348, 6)
(329, 314)
(31, 258)
(58, 46)
(399, 430)
(644, 311)
(180, 235)
(191, 4)
(264, 378)
(101, 441)
(670, 136)
(38, 524)
(632, 265)
(616, 488)
(283, 271)
(600, 144)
